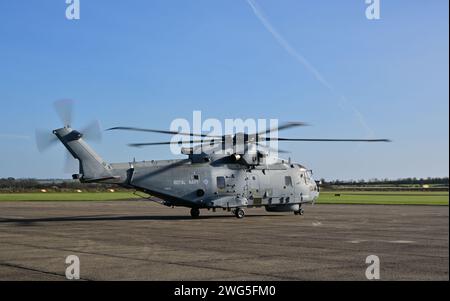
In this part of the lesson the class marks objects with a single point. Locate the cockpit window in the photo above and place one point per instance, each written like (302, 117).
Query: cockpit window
(308, 177)
(304, 177)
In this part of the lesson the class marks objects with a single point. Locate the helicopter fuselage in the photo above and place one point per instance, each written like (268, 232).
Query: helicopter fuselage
(282, 186)
(202, 181)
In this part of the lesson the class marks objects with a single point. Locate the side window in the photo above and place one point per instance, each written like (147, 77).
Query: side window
(287, 181)
(220, 182)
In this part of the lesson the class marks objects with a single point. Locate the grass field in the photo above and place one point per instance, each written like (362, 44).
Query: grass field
(326, 197)
(384, 197)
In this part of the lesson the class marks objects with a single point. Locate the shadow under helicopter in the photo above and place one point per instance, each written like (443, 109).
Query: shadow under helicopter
(96, 218)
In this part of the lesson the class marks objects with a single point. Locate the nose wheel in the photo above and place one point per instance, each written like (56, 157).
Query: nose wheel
(195, 212)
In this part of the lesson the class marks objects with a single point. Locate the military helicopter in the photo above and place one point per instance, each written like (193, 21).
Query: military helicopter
(213, 176)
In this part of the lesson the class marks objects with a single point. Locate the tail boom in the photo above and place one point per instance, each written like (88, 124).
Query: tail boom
(92, 167)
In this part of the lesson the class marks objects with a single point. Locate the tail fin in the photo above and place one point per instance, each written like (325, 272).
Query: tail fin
(92, 166)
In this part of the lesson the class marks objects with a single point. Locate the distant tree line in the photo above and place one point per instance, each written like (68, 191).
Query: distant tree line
(56, 185)
(404, 181)
(30, 185)
(425, 184)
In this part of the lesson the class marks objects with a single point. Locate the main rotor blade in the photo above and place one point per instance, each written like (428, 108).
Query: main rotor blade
(326, 140)
(125, 128)
(272, 149)
(44, 139)
(64, 108)
(284, 126)
(92, 131)
(167, 143)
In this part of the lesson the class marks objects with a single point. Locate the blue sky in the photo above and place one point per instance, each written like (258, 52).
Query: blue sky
(144, 63)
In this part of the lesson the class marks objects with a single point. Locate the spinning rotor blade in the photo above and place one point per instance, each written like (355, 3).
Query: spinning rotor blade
(160, 131)
(71, 164)
(44, 139)
(232, 139)
(167, 143)
(279, 128)
(64, 108)
(326, 140)
(284, 126)
(272, 149)
(92, 131)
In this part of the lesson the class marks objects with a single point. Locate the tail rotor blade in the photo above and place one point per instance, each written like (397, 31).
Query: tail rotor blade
(92, 131)
(64, 108)
(71, 164)
(44, 139)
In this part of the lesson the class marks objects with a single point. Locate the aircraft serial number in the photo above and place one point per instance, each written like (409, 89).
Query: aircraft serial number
(247, 290)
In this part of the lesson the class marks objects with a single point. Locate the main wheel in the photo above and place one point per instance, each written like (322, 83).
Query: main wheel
(299, 212)
(195, 212)
(240, 213)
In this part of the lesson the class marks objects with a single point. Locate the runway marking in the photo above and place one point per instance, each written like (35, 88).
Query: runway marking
(356, 241)
(400, 241)
(388, 241)
(315, 224)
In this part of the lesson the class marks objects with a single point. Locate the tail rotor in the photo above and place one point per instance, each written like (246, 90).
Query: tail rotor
(45, 138)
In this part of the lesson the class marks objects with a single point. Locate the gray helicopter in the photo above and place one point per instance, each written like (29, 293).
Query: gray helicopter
(213, 176)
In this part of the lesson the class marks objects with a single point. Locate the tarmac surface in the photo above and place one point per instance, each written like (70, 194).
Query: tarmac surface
(141, 240)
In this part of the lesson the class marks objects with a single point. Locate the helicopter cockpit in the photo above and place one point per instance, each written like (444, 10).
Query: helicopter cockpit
(306, 178)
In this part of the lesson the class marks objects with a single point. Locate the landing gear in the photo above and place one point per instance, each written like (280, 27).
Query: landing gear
(239, 212)
(195, 212)
(299, 212)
